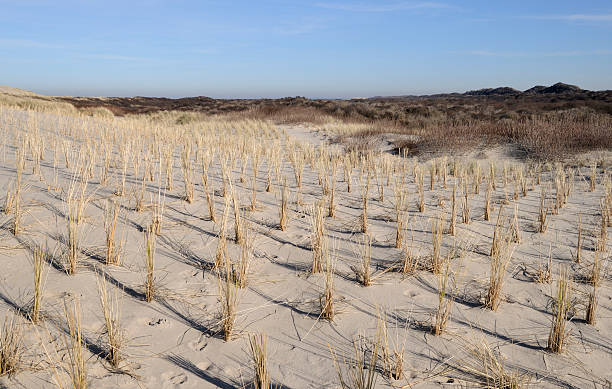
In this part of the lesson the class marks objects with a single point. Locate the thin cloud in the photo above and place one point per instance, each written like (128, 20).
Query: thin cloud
(299, 28)
(371, 7)
(28, 44)
(576, 17)
(518, 54)
(113, 57)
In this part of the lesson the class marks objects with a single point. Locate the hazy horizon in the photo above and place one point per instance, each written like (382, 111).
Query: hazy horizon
(324, 49)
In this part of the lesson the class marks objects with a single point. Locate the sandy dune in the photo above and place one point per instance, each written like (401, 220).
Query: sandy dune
(175, 341)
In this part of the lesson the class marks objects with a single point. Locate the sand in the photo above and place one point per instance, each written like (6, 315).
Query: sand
(174, 341)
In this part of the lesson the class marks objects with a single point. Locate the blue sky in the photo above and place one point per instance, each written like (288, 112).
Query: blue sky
(327, 48)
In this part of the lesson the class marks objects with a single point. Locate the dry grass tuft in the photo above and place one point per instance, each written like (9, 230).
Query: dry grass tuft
(11, 347)
(328, 310)
(578, 256)
(543, 213)
(360, 371)
(38, 257)
(111, 214)
(258, 347)
(392, 359)
(591, 307)
(149, 243)
(436, 242)
(112, 319)
(283, 207)
(365, 189)
(499, 264)
(75, 344)
(317, 236)
(488, 368)
(228, 295)
(558, 335)
(364, 272)
(445, 303)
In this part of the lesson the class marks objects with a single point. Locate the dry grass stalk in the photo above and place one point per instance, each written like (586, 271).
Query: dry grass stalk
(38, 257)
(410, 262)
(255, 166)
(125, 152)
(245, 162)
(578, 256)
(187, 168)
(221, 252)
(603, 230)
(140, 206)
(75, 344)
(8, 204)
(258, 347)
(452, 227)
(492, 175)
(543, 213)
(436, 242)
(111, 214)
(545, 274)
(361, 370)
(364, 273)
(477, 178)
(149, 242)
(365, 189)
(379, 182)
(445, 303)
(499, 264)
(497, 233)
(515, 231)
(269, 177)
(327, 300)
(593, 178)
(444, 169)
(421, 190)
(591, 307)
(558, 335)
(348, 171)
(432, 172)
(487, 207)
(400, 200)
(489, 368)
(169, 168)
(246, 248)
(112, 319)
(332, 192)
(297, 160)
(392, 360)
(317, 236)
(283, 206)
(228, 293)
(16, 198)
(595, 277)
(465, 205)
(158, 212)
(73, 241)
(237, 218)
(11, 347)
(210, 199)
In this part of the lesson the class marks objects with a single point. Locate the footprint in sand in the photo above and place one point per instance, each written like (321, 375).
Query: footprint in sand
(172, 379)
(159, 322)
(199, 344)
(410, 293)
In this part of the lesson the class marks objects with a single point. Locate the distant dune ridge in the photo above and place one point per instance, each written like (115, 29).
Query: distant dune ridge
(558, 88)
